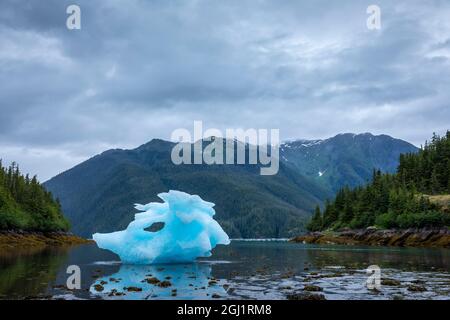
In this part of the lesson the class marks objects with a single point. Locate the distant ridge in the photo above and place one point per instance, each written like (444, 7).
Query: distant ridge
(345, 159)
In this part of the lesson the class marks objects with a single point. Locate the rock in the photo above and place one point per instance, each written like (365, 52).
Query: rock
(212, 282)
(99, 287)
(133, 289)
(115, 293)
(418, 282)
(152, 280)
(426, 237)
(390, 282)
(331, 275)
(305, 296)
(216, 296)
(415, 288)
(164, 284)
(312, 288)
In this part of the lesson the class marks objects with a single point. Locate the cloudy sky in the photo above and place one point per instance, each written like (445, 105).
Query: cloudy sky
(139, 69)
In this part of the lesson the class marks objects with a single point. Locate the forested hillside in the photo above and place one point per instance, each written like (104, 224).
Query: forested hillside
(429, 170)
(98, 194)
(398, 200)
(26, 205)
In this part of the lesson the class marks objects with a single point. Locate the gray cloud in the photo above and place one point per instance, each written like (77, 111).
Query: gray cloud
(140, 69)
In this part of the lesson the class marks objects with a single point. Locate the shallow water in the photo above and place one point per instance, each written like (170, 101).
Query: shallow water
(242, 270)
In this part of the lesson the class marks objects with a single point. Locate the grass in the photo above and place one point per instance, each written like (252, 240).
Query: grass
(442, 200)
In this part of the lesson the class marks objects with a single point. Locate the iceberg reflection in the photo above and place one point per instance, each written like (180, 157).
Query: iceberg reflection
(174, 281)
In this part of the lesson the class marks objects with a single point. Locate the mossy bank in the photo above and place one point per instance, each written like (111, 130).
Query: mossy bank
(10, 240)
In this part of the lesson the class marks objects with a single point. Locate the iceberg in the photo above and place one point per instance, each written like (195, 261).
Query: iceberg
(179, 230)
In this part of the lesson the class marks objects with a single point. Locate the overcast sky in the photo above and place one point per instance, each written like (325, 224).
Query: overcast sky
(138, 70)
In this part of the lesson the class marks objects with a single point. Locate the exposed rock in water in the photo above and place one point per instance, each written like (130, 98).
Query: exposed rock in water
(439, 237)
(390, 282)
(312, 288)
(164, 284)
(305, 296)
(133, 289)
(115, 293)
(98, 287)
(152, 280)
(415, 288)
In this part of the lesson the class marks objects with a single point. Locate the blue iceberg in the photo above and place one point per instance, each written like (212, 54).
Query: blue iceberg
(188, 231)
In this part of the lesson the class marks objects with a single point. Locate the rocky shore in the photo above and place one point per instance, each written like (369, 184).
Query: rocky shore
(375, 237)
(27, 239)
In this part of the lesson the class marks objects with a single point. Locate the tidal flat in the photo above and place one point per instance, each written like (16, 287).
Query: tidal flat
(242, 270)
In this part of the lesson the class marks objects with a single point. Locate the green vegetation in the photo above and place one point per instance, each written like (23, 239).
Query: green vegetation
(26, 205)
(429, 171)
(98, 195)
(398, 200)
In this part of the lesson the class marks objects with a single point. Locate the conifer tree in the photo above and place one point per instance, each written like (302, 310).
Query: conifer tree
(396, 200)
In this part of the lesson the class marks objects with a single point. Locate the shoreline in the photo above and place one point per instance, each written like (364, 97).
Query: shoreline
(12, 239)
(426, 238)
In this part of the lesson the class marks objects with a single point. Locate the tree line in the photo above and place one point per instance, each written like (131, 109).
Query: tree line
(397, 200)
(26, 205)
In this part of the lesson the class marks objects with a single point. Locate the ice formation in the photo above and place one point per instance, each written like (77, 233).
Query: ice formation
(189, 231)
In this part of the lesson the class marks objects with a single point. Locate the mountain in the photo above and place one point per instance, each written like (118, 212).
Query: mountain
(98, 194)
(346, 159)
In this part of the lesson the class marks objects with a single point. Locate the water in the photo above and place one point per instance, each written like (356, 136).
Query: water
(242, 270)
